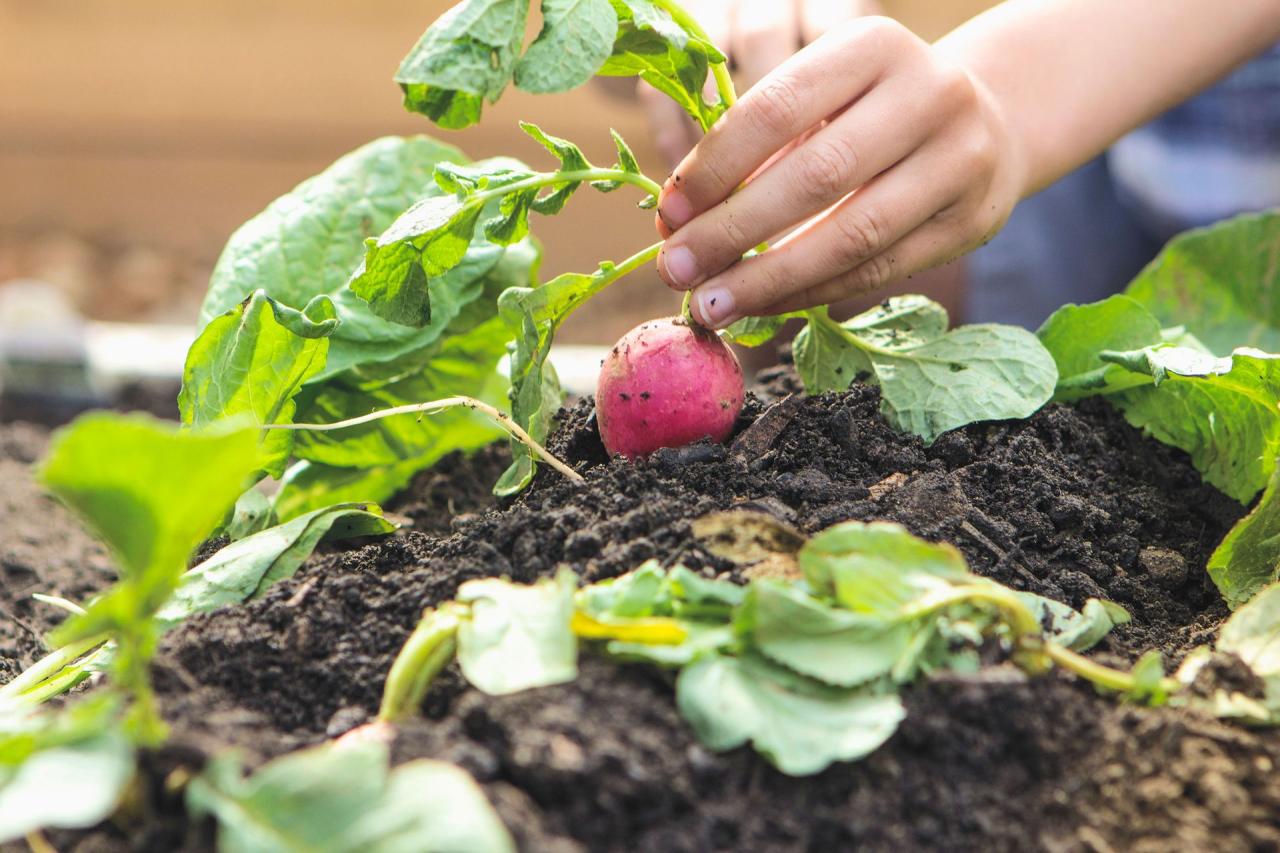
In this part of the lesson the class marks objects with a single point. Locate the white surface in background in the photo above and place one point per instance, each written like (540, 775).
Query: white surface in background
(118, 352)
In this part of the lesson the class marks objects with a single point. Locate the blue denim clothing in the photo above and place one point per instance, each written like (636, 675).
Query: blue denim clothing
(1086, 236)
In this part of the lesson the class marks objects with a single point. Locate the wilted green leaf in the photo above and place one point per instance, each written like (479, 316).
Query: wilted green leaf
(836, 646)
(244, 569)
(799, 725)
(1077, 630)
(518, 637)
(251, 361)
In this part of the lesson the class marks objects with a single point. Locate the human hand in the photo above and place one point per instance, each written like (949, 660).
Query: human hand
(756, 36)
(909, 164)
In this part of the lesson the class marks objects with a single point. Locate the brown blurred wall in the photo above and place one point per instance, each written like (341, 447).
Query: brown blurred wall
(167, 124)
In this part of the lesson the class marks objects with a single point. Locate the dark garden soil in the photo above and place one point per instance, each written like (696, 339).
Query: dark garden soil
(1072, 503)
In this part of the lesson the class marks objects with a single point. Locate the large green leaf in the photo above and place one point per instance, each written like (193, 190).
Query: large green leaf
(518, 637)
(930, 381)
(341, 798)
(244, 569)
(252, 360)
(308, 242)
(1221, 282)
(801, 726)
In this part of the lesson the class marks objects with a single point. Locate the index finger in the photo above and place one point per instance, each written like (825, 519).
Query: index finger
(796, 96)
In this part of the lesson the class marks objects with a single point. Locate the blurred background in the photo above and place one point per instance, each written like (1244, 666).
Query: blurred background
(135, 136)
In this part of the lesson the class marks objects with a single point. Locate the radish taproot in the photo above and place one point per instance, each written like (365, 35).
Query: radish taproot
(667, 384)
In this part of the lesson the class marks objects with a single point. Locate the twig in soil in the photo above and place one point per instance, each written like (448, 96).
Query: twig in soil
(501, 418)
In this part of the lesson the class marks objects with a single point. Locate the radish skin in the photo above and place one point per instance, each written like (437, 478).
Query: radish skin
(667, 384)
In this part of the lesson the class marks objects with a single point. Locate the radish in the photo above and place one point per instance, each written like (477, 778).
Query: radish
(667, 384)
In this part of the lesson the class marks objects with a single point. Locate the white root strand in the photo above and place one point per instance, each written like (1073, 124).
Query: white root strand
(502, 419)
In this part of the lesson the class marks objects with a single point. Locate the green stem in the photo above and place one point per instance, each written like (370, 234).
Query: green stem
(50, 665)
(720, 71)
(544, 179)
(428, 650)
(1103, 676)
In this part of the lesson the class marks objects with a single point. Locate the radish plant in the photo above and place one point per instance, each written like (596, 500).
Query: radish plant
(404, 274)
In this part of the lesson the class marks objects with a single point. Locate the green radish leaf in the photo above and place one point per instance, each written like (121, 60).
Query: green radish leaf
(518, 637)
(652, 46)
(472, 53)
(1253, 634)
(341, 797)
(66, 770)
(1077, 630)
(799, 725)
(253, 360)
(1075, 335)
(468, 55)
(1221, 282)
(576, 38)
(1248, 558)
(308, 241)
(152, 493)
(836, 646)
(930, 382)
(244, 569)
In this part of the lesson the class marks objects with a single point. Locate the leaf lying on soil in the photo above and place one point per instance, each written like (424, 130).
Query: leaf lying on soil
(799, 725)
(931, 380)
(244, 569)
(344, 798)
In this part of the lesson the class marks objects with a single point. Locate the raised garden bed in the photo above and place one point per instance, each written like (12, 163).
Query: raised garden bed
(937, 588)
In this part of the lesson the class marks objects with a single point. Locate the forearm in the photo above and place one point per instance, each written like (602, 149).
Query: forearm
(1072, 76)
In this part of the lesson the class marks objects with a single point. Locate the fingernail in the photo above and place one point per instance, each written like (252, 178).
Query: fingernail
(715, 305)
(681, 267)
(674, 207)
